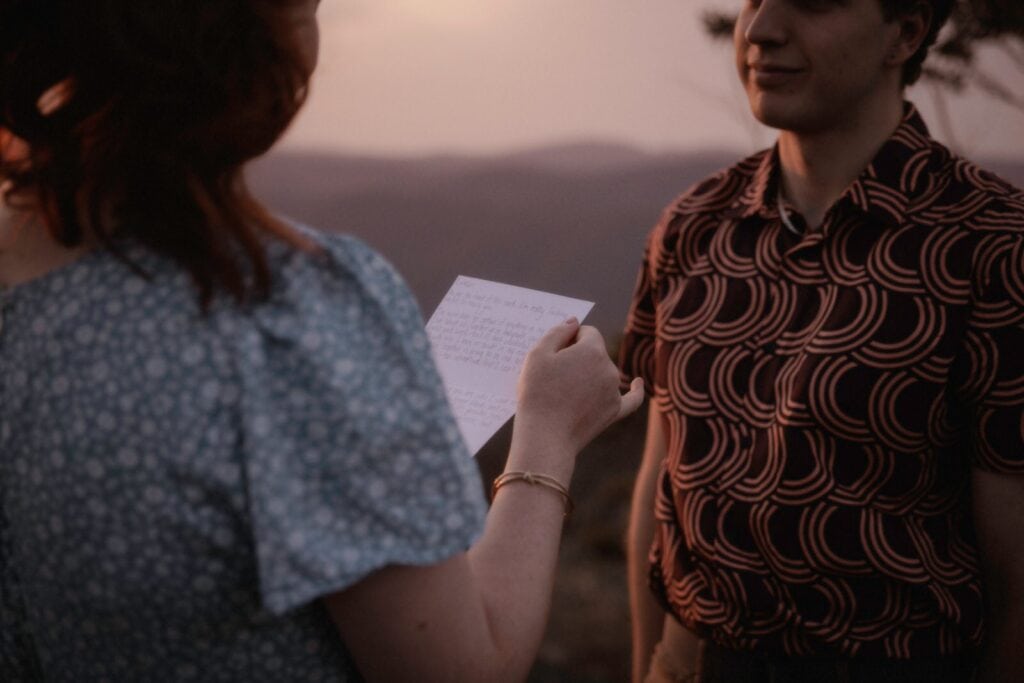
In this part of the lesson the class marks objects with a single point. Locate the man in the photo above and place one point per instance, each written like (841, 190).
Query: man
(832, 485)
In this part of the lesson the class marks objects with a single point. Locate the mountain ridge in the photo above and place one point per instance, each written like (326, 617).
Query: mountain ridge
(570, 219)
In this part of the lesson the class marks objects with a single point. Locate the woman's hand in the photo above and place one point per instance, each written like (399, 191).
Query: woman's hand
(569, 388)
(480, 615)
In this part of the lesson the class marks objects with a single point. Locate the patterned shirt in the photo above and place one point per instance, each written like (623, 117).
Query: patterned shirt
(178, 490)
(824, 397)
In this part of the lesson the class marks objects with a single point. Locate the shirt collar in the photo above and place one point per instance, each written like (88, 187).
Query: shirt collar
(759, 195)
(884, 190)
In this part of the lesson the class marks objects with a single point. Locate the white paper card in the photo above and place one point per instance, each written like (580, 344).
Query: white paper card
(481, 333)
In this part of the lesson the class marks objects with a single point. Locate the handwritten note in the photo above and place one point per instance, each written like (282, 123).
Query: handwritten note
(481, 333)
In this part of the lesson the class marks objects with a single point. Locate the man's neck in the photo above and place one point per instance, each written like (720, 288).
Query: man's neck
(818, 167)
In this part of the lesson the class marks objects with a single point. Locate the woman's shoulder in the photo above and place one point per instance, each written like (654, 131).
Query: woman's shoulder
(327, 297)
(317, 249)
(335, 267)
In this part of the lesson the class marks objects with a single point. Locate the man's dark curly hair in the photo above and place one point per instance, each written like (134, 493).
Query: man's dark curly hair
(139, 116)
(940, 12)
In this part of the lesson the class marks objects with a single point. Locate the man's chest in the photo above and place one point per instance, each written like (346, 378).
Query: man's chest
(856, 331)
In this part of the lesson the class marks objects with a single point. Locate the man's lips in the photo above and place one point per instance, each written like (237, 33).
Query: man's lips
(769, 75)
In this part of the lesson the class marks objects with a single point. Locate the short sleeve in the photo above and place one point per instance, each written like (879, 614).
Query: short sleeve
(992, 363)
(353, 459)
(636, 354)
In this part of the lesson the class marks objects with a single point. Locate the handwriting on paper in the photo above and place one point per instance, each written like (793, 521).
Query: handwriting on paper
(481, 333)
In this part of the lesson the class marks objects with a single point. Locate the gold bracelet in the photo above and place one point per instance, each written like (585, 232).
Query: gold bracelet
(534, 479)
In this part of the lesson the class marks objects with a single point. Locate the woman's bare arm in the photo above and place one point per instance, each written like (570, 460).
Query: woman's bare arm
(480, 615)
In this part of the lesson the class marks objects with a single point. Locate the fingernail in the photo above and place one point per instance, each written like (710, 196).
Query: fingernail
(571, 320)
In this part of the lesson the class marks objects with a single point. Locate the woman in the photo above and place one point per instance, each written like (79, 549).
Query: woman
(225, 453)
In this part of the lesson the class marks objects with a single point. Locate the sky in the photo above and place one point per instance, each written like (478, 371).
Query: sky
(418, 77)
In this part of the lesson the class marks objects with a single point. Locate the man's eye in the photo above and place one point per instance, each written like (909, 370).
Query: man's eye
(817, 5)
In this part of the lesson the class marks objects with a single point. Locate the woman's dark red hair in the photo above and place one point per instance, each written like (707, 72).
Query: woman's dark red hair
(139, 117)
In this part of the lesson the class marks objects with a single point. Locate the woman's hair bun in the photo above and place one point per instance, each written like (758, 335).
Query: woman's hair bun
(141, 113)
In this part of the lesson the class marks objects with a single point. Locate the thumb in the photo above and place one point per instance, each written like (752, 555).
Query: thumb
(632, 399)
(559, 336)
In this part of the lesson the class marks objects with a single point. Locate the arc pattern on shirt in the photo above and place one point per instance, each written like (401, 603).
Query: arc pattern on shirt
(824, 397)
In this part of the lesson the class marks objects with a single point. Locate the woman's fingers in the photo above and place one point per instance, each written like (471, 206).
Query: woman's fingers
(558, 337)
(632, 399)
(569, 387)
(590, 335)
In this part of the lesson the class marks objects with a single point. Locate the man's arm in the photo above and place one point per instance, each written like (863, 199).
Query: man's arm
(999, 520)
(647, 614)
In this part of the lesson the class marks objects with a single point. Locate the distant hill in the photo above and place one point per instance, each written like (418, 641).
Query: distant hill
(569, 219)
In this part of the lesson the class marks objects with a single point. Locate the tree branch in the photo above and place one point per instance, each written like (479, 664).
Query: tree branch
(945, 120)
(1014, 49)
(993, 88)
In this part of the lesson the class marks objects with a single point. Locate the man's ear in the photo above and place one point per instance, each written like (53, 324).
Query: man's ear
(5, 140)
(914, 26)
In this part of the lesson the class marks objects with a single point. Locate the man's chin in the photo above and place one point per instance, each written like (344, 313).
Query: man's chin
(782, 119)
(771, 114)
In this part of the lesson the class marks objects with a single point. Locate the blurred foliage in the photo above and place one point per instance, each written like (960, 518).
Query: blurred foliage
(953, 62)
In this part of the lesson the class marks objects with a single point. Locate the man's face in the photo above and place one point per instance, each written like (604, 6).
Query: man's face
(808, 66)
(302, 15)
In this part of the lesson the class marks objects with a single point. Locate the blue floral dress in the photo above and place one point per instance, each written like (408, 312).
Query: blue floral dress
(177, 490)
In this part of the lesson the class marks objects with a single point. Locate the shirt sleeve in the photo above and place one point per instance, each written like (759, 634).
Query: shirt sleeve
(993, 380)
(636, 354)
(353, 458)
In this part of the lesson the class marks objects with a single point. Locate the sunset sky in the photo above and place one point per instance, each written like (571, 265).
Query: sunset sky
(412, 77)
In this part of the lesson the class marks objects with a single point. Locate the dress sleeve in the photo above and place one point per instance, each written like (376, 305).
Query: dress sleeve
(353, 458)
(992, 375)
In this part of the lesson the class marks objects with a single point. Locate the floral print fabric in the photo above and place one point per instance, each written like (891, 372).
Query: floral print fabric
(179, 489)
